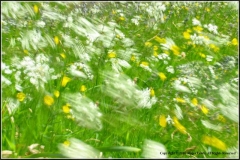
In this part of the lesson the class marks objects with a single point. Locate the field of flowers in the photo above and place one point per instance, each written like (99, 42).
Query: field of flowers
(119, 79)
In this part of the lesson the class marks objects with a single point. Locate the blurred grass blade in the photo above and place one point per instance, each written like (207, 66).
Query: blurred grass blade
(119, 149)
(45, 155)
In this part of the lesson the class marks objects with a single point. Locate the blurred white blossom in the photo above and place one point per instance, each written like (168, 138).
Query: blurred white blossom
(85, 112)
(78, 149)
(152, 149)
(196, 22)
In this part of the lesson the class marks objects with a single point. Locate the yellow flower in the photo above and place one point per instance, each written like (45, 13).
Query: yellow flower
(66, 108)
(235, 42)
(152, 93)
(166, 51)
(221, 118)
(56, 40)
(198, 28)
(202, 55)
(121, 18)
(179, 126)
(111, 54)
(113, 12)
(155, 48)
(180, 100)
(155, 54)
(215, 142)
(204, 109)
(162, 121)
(186, 35)
(48, 100)
(35, 8)
(195, 101)
(66, 143)
(148, 44)
(56, 93)
(21, 96)
(25, 51)
(175, 50)
(144, 63)
(214, 47)
(160, 40)
(133, 58)
(63, 55)
(83, 88)
(69, 116)
(118, 36)
(207, 9)
(65, 80)
(162, 76)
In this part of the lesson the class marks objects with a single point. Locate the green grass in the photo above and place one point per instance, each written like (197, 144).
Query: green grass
(125, 124)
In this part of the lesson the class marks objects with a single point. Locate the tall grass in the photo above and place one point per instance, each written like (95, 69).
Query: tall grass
(119, 79)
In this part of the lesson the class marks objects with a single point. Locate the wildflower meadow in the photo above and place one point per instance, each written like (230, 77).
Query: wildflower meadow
(119, 79)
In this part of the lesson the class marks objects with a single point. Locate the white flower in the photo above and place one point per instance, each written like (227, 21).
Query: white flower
(12, 105)
(178, 112)
(86, 113)
(197, 39)
(209, 58)
(120, 87)
(168, 45)
(152, 149)
(78, 149)
(169, 120)
(146, 67)
(127, 42)
(40, 24)
(170, 69)
(177, 86)
(144, 100)
(209, 125)
(196, 22)
(163, 56)
(5, 80)
(211, 28)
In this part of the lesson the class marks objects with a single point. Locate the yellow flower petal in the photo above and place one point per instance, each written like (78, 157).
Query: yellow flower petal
(235, 41)
(56, 40)
(66, 143)
(83, 88)
(144, 63)
(178, 125)
(121, 18)
(152, 93)
(162, 121)
(35, 8)
(56, 93)
(148, 44)
(204, 109)
(195, 101)
(66, 108)
(65, 80)
(133, 58)
(221, 118)
(48, 100)
(186, 35)
(63, 55)
(162, 76)
(21, 96)
(180, 100)
(160, 40)
(111, 54)
(215, 142)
